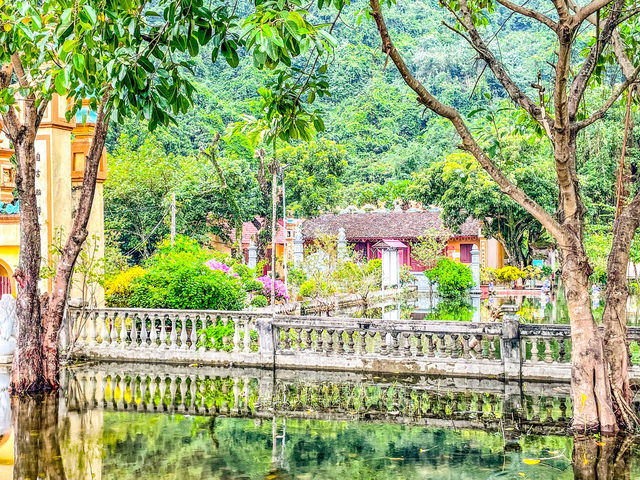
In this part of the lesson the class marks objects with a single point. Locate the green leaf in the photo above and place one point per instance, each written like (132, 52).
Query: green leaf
(61, 83)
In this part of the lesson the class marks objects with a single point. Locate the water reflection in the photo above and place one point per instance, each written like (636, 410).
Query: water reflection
(533, 307)
(313, 426)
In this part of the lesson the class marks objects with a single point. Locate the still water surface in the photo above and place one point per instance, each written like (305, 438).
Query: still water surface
(52, 443)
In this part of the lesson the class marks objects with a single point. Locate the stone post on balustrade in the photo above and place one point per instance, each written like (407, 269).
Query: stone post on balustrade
(510, 346)
(475, 270)
(298, 248)
(511, 358)
(252, 261)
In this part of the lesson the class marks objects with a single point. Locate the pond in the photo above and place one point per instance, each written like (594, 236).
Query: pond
(125, 425)
(533, 307)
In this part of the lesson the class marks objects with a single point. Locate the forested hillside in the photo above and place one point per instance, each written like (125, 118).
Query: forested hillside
(379, 144)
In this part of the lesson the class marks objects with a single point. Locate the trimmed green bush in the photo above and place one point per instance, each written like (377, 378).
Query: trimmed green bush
(453, 278)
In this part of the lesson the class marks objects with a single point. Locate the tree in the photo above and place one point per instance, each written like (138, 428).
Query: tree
(129, 58)
(600, 380)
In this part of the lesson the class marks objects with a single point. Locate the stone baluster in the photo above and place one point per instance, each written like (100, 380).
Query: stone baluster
(395, 344)
(562, 350)
(193, 407)
(406, 346)
(144, 332)
(153, 331)
(123, 331)
(548, 358)
(465, 346)
(181, 403)
(143, 393)
(173, 387)
(113, 385)
(183, 332)
(330, 341)
(492, 347)
(246, 339)
(340, 341)
(237, 325)
(104, 332)
(173, 334)
(163, 393)
(134, 332)
(286, 335)
(204, 322)
(441, 345)
(113, 331)
(193, 338)
(305, 339)
(92, 320)
(122, 387)
(455, 345)
(153, 388)
(420, 345)
(534, 349)
(350, 345)
(236, 396)
(163, 331)
(384, 343)
(225, 339)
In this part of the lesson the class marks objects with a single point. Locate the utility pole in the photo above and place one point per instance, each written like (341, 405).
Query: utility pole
(173, 219)
(286, 238)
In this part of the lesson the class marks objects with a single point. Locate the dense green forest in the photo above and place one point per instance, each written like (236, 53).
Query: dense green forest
(379, 145)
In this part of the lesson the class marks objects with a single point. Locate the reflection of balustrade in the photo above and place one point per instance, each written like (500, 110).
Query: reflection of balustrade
(472, 349)
(253, 392)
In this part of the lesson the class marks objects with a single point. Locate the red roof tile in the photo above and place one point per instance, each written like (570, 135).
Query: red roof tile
(384, 225)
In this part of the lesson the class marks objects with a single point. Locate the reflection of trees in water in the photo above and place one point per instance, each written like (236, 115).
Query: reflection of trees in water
(602, 459)
(37, 449)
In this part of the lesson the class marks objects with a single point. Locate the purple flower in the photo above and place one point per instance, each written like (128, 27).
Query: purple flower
(279, 288)
(215, 265)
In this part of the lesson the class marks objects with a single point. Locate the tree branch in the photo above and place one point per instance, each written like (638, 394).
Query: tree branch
(515, 93)
(527, 12)
(19, 69)
(468, 142)
(589, 9)
(581, 80)
(601, 112)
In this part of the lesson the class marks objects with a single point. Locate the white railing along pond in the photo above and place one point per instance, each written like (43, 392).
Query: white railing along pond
(507, 349)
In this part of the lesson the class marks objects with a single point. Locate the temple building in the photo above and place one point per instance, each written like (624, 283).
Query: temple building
(365, 232)
(61, 147)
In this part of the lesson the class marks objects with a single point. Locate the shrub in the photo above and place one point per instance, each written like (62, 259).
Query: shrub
(259, 301)
(308, 289)
(509, 274)
(453, 278)
(118, 289)
(181, 277)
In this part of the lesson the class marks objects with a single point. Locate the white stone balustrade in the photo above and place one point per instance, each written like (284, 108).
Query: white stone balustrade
(508, 350)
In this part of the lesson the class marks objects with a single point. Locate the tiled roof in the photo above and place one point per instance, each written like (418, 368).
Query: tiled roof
(387, 225)
(249, 230)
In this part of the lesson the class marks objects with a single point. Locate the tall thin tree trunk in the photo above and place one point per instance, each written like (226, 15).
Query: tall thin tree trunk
(56, 301)
(27, 374)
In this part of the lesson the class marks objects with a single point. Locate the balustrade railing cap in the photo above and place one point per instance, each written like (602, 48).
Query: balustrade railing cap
(509, 308)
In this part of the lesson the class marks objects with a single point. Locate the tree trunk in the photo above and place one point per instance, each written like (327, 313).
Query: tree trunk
(56, 301)
(36, 442)
(614, 317)
(590, 390)
(602, 459)
(27, 373)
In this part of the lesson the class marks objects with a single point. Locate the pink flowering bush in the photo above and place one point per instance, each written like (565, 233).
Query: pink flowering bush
(281, 292)
(216, 265)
